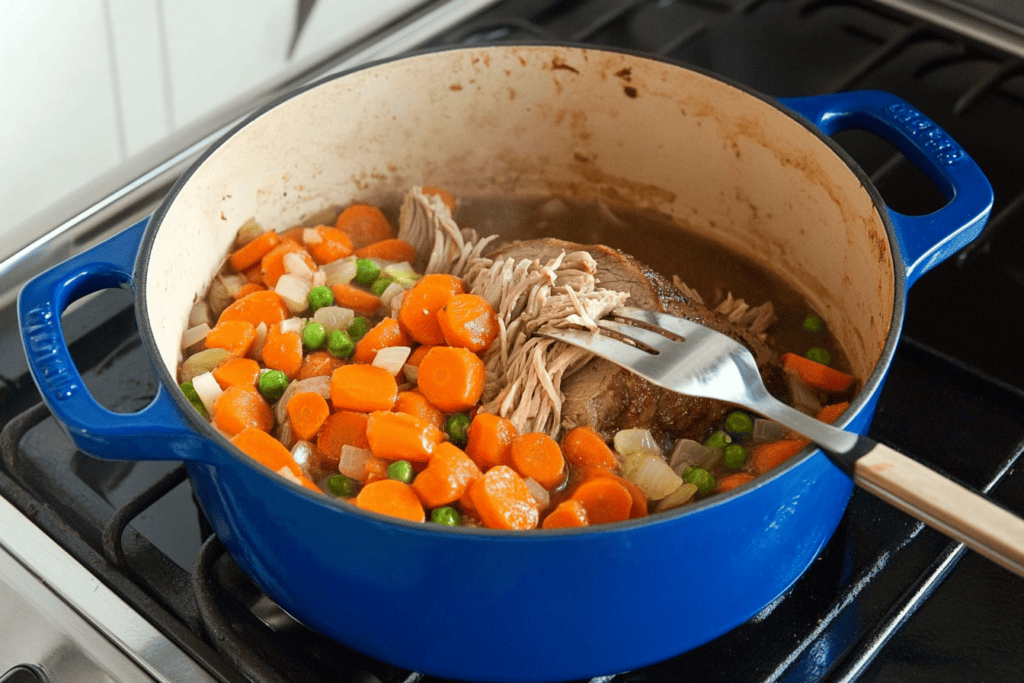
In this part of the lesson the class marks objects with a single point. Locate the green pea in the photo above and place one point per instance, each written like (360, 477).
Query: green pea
(340, 344)
(320, 297)
(314, 336)
(367, 271)
(718, 440)
(401, 470)
(813, 323)
(701, 478)
(734, 456)
(342, 486)
(193, 398)
(819, 355)
(738, 422)
(457, 428)
(358, 328)
(447, 515)
(272, 384)
(380, 284)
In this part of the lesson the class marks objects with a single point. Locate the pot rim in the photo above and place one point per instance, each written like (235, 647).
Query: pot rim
(872, 383)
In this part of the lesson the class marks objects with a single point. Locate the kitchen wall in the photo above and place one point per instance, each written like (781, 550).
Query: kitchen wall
(86, 84)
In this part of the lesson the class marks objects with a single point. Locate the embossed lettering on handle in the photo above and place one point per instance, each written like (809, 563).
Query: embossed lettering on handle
(928, 135)
(42, 326)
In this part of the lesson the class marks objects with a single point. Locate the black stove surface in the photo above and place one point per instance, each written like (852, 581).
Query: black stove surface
(887, 600)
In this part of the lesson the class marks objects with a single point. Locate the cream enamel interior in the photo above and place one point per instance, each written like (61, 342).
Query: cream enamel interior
(541, 120)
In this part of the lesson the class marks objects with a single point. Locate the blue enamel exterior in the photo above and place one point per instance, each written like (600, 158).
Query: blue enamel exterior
(487, 605)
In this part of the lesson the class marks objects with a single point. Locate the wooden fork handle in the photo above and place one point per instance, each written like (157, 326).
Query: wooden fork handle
(943, 504)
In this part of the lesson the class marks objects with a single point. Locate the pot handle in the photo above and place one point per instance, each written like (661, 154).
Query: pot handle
(924, 240)
(158, 431)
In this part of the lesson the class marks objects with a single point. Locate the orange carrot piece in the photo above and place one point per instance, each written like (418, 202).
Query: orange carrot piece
(442, 194)
(247, 289)
(489, 440)
(364, 224)
(363, 388)
(831, 413)
(234, 336)
(272, 265)
(768, 456)
(817, 375)
(343, 428)
(605, 499)
(454, 285)
(375, 469)
(400, 436)
(418, 354)
(584, 446)
(569, 514)
(359, 300)
(318, 364)
(265, 449)
(283, 351)
(391, 497)
(467, 320)
(389, 250)
(294, 234)
(451, 378)
(254, 251)
(419, 313)
(448, 475)
(254, 274)
(384, 334)
(237, 371)
(307, 411)
(537, 455)
(731, 481)
(334, 244)
(416, 404)
(503, 500)
(259, 307)
(239, 408)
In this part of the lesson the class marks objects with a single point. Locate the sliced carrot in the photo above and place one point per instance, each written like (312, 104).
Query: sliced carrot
(343, 428)
(453, 284)
(384, 334)
(817, 375)
(400, 436)
(731, 481)
(363, 388)
(442, 194)
(832, 412)
(254, 274)
(265, 449)
(569, 514)
(451, 378)
(272, 264)
(247, 289)
(448, 475)
(259, 307)
(605, 499)
(294, 234)
(489, 440)
(364, 224)
(283, 351)
(584, 446)
(389, 250)
(639, 508)
(254, 251)
(391, 497)
(467, 320)
(537, 455)
(239, 408)
(503, 500)
(375, 469)
(334, 244)
(307, 411)
(418, 314)
(318, 364)
(234, 336)
(234, 371)
(768, 456)
(418, 354)
(359, 300)
(416, 404)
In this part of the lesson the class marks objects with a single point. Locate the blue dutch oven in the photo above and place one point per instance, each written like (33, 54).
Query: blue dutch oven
(759, 175)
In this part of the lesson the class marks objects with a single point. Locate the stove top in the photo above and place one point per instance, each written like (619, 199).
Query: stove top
(887, 600)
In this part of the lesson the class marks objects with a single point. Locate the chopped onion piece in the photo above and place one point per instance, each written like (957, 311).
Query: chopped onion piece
(353, 462)
(285, 434)
(767, 431)
(261, 339)
(339, 272)
(296, 265)
(629, 441)
(208, 389)
(292, 325)
(286, 472)
(311, 236)
(295, 292)
(402, 273)
(652, 474)
(201, 362)
(334, 317)
(540, 494)
(249, 231)
(319, 279)
(682, 495)
(805, 398)
(411, 372)
(199, 314)
(688, 453)
(392, 358)
(393, 290)
(194, 334)
(233, 283)
(302, 454)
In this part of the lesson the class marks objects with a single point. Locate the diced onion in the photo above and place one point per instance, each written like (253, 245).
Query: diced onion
(805, 398)
(208, 389)
(688, 453)
(339, 272)
(285, 434)
(294, 290)
(353, 462)
(302, 454)
(392, 358)
(286, 472)
(768, 431)
(199, 314)
(249, 231)
(194, 335)
(652, 474)
(296, 265)
(629, 441)
(411, 372)
(233, 283)
(680, 496)
(319, 279)
(261, 339)
(334, 318)
(402, 273)
(292, 325)
(393, 290)
(201, 362)
(540, 494)
(311, 236)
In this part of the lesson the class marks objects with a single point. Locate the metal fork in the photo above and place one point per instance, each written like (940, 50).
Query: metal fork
(689, 358)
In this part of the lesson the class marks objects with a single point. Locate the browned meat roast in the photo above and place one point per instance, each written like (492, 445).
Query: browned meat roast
(609, 398)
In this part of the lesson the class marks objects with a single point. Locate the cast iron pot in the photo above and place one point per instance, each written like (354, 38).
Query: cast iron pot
(759, 175)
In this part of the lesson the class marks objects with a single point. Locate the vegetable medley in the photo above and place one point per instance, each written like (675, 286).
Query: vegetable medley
(335, 364)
